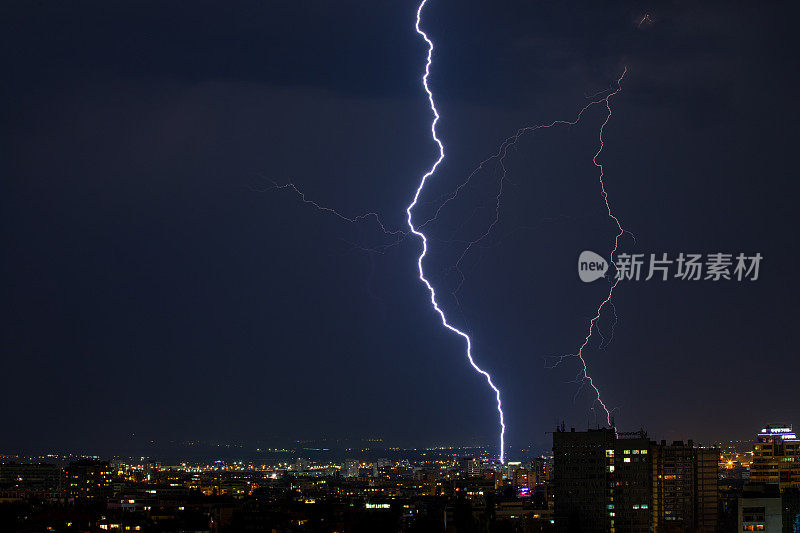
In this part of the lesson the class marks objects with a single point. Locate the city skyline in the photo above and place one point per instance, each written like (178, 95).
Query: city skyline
(601, 479)
(199, 451)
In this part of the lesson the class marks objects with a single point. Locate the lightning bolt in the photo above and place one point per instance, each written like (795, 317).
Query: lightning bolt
(424, 240)
(583, 377)
(583, 374)
(587, 378)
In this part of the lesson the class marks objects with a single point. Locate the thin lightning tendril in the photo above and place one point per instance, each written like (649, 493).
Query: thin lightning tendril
(424, 239)
(584, 372)
(364, 216)
(500, 156)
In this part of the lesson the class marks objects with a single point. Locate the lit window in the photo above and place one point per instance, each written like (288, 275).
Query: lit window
(610, 468)
(635, 506)
(636, 452)
(644, 506)
(609, 453)
(644, 452)
(627, 460)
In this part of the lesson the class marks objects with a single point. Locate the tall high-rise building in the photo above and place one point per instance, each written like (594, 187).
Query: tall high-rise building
(601, 481)
(541, 470)
(684, 487)
(706, 488)
(776, 457)
(673, 486)
(608, 481)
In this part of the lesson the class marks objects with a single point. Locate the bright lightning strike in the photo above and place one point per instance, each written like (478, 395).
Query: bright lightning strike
(583, 377)
(424, 240)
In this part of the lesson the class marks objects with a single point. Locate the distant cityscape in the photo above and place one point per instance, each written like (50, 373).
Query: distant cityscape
(599, 480)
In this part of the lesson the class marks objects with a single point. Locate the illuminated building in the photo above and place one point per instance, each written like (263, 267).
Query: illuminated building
(40, 479)
(350, 468)
(541, 469)
(470, 467)
(522, 478)
(89, 479)
(601, 481)
(381, 467)
(511, 467)
(776, 457)
(301, 465)
(684, 487)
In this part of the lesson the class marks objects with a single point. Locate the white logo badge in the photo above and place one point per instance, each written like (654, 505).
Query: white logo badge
(591, 266)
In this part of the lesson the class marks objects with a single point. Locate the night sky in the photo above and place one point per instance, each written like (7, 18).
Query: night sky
(154, 286)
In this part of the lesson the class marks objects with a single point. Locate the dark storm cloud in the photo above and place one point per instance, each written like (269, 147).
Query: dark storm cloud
(285, 43)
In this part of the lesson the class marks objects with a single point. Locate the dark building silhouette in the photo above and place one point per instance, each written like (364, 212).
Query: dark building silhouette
(760, 508)
(40, 479)
(89, 479)
(685, 492)
(673, 486)
(790, 499)
(609, 481)
(707, 489)
(601, 481)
